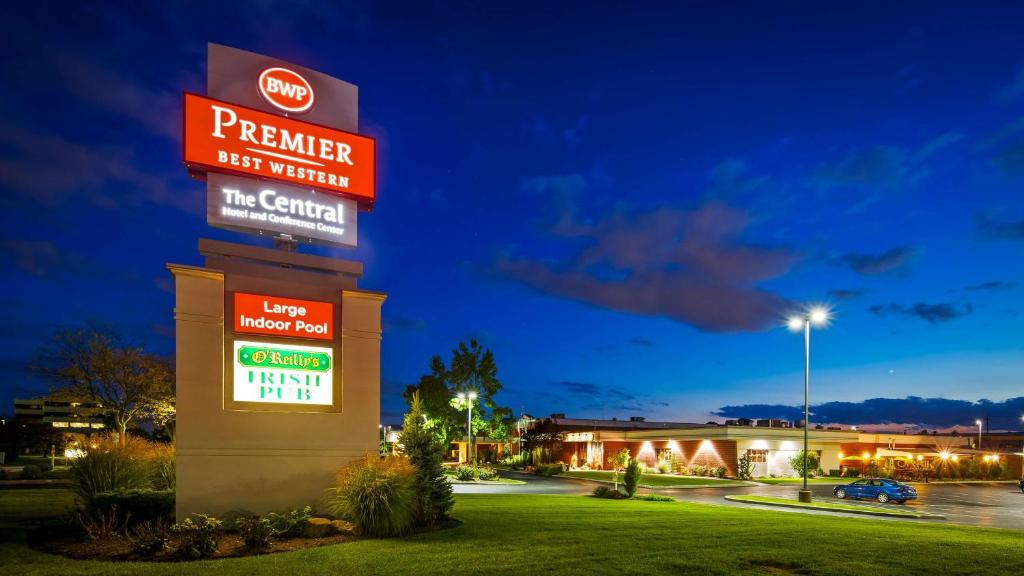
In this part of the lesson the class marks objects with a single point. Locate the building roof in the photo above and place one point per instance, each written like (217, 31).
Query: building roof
(615, 424)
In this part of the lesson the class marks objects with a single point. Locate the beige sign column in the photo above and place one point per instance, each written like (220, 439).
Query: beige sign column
(229, 459)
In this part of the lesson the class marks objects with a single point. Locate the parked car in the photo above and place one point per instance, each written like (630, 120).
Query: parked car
(881, 489)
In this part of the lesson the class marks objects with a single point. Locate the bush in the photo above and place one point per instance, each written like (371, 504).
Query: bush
(745, 468)
(654, 498)
(487, 473)
(134, 506)
(198, 536)
(256, 532)
(163, 467)
(464, 473)
(718, 471)
(377, 494)
(150, 537)
(796, 462)
(606, 492)
(31, 472)
(665, 466)
(433, 491)
(100, 524)
(632, 478)
(290, 523)
(548, 469)
(108, 465)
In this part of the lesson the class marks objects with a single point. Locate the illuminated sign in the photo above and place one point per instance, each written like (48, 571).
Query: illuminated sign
(265, 207)
(275, 316)
(579, 437)
(283, 374)
(286, 89)
(225, 137)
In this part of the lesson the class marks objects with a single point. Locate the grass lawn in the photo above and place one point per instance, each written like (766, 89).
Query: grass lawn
(794, 481)
(536, 534)
(854, 508)
(652, 480)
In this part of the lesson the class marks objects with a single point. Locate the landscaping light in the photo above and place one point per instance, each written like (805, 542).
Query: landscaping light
(919, 457)
(840, 455)
(995, 457)
(944, 455)
(866, 456)
(956, 458)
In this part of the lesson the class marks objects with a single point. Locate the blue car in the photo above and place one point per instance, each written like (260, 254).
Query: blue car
(881, 489)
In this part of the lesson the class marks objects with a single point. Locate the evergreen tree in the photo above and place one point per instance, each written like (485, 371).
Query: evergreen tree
(632, 478)
(419, 445)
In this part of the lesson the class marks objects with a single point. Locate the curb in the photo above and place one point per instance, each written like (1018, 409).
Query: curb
(866, 511)
(722, 484)
(513, 482)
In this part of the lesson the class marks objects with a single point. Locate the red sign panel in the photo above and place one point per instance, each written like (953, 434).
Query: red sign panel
(276, 316)
(227, 137)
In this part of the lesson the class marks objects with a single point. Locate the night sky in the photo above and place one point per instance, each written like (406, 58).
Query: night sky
(623, 205)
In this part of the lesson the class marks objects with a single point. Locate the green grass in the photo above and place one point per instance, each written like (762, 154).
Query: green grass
(32, 504)
(821, 480)
(652, 480)
(537, 534)
(831, 506)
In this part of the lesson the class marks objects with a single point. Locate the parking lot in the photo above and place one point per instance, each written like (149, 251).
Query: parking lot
(987, 504)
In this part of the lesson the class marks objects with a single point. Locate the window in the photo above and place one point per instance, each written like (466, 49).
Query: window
(757, 456)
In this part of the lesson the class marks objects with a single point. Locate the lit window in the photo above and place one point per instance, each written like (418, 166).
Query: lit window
(757, 456)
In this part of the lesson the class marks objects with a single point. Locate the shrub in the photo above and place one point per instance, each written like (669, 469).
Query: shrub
(698, 470)
(487, 473)
(654, 498)
(632, 478)
(796, 462)
(433, 491)
(100, 525)
(290, 523)
(718, 471)
(31, 472)
(377, 494)
(745, 468)
(162, 464)
(108, 466)
(256, 532)
(134, 506)
(606, 492)
(198, 536)
(464, 473)
(664, 466)
(150, 537)
(548, 469)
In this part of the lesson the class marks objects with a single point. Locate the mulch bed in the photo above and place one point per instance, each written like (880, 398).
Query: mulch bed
(69, 541)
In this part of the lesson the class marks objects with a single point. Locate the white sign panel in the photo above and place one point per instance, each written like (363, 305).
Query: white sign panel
(264, 207)
(283, 373)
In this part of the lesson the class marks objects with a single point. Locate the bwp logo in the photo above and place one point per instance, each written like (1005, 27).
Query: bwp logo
(286, 90)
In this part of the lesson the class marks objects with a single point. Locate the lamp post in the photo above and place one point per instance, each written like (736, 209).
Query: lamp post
(468, 397)
(818, 316)
(978, 422)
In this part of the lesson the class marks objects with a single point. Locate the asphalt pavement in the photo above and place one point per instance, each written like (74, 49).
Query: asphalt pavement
(987, 504)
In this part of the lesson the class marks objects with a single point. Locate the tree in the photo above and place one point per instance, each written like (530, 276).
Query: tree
(163, 413)
(745, 468)
(618, 461)
(797, 463)
(632, 478)
(421, 447)
(95, 364)
(472, 368)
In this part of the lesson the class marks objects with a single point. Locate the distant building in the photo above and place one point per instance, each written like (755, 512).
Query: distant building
(75, 416)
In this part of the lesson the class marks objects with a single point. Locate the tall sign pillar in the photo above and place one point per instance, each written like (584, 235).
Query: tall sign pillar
(278, 352)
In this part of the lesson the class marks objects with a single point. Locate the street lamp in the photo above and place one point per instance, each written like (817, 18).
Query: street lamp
(978, 422)
(818, 316)
(468, 397)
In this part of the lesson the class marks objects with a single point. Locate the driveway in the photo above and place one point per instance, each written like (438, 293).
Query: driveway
(991, 505)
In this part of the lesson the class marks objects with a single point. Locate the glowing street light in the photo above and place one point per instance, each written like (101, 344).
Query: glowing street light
(818, 316)
(978, 422)
(469, 397)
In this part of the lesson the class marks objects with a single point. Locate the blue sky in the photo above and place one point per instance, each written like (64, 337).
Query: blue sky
(622, 204)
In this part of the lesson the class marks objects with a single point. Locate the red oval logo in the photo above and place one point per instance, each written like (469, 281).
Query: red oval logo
(286, 90)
